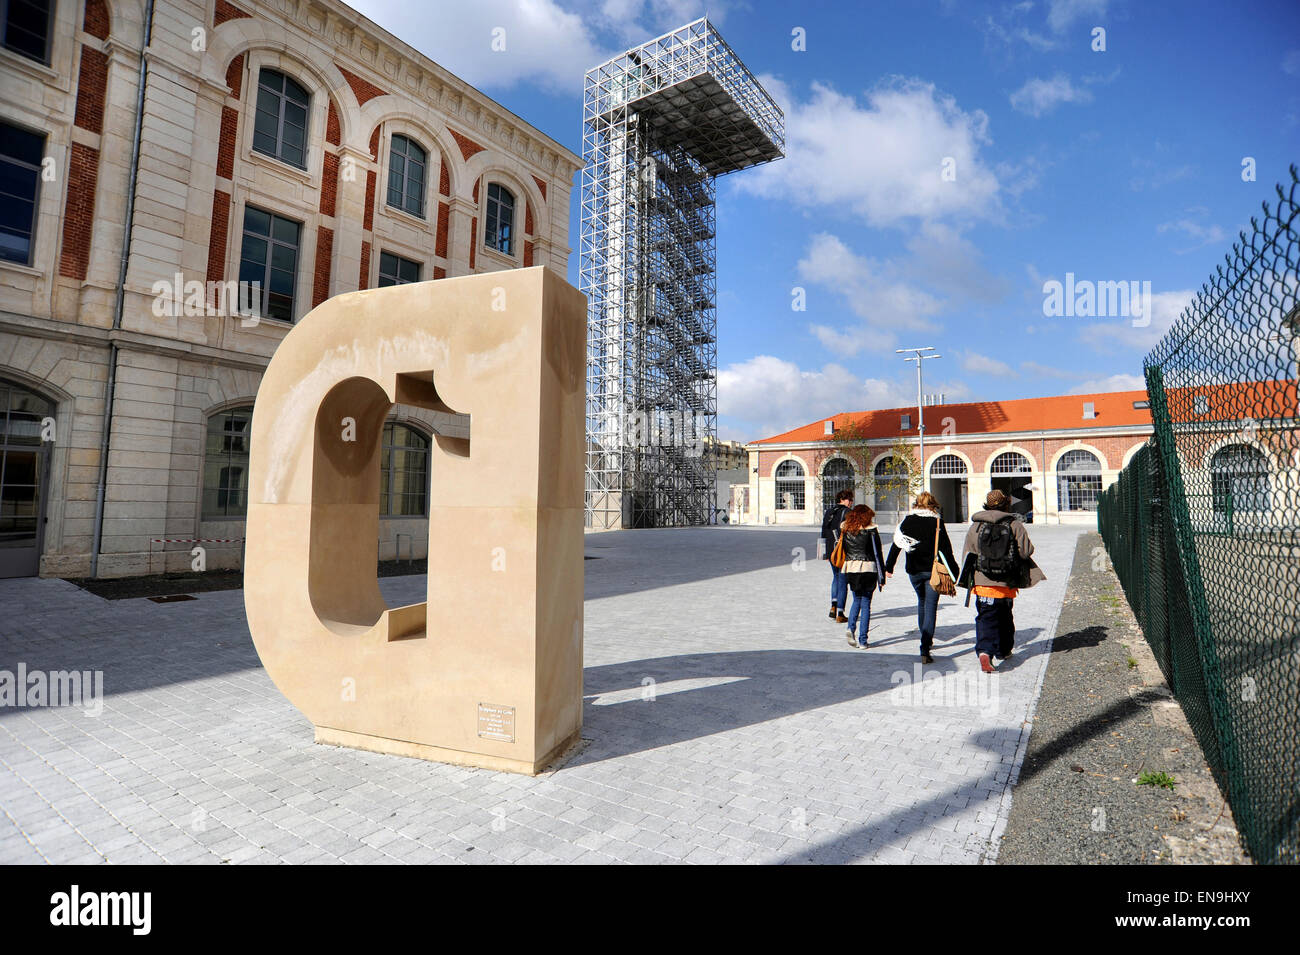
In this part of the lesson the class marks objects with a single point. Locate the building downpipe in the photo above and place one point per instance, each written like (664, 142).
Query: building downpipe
(106, 429)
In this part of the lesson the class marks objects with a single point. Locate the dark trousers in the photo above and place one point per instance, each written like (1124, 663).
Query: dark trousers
(995, 628)
(927, 606)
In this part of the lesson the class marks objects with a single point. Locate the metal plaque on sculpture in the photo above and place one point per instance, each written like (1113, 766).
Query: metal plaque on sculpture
(496, 722)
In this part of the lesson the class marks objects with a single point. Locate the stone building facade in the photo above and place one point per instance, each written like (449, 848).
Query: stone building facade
(1053, 456)
(289, 142)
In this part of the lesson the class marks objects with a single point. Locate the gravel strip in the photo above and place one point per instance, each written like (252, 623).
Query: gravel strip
(1105, 715)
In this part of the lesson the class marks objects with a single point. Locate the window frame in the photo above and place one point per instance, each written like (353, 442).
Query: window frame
(947, 470)
(1078, 489)
(405, 194)
(492, 216)
(798, 485)
(271, 242)
(401, 260)
(44, 60)
(386, 470)
(282, 97)
(36, 194)
(1235, 464)
(229, 460)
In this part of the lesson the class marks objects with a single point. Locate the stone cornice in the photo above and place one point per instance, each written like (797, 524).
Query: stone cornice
(139, 341)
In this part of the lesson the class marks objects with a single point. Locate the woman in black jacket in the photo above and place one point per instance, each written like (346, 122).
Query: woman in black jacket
(863, 565)
(915, 538)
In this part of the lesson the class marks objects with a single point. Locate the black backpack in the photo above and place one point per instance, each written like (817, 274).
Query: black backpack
(995, 550)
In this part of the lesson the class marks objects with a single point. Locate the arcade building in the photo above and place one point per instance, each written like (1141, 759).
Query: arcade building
(1053, 456)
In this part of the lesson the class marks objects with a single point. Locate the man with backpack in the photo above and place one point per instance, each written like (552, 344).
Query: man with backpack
(1003, 566)
(831, 521)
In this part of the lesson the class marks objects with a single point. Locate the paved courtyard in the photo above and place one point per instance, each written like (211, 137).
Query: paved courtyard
(726, 720)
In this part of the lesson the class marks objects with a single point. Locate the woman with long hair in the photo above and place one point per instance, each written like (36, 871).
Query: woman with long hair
(863, 568)
(915, 536)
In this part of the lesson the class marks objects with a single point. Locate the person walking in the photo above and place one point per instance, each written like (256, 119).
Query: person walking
(915, 537)
(863, 568)
(832, 521)
(1003, 566)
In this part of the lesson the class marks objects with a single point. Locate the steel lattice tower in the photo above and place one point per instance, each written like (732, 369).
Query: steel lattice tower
(660, 123)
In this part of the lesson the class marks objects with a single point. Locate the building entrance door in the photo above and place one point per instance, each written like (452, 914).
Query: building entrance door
(948, 485)
(23, 477)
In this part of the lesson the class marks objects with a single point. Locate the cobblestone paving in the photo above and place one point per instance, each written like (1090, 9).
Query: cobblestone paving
(726, 720)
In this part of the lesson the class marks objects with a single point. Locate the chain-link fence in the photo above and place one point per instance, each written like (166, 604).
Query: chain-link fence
(1203, 526)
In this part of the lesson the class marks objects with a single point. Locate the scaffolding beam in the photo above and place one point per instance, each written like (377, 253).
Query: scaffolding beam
(660, 123)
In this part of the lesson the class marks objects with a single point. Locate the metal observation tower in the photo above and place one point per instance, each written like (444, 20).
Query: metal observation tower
(660, 123)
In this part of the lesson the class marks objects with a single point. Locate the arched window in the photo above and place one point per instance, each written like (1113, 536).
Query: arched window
(404, 472)
(280, 127)
(836, 476)
(1078, 480)
(947, 465)
(225, 464)
(789, 486)
(892, 484)
(22, 476)
(500, 227)
(1240, 479)
(1011, 462)
(406, 166)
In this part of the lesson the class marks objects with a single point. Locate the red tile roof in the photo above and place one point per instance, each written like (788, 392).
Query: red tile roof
(1114, 409)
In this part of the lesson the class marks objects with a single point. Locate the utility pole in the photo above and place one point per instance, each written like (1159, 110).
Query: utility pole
(918, 356)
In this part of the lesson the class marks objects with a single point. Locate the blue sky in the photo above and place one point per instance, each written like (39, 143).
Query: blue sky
(1115, 165)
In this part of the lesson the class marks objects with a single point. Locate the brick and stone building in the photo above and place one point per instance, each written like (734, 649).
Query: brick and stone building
(1052, 455)
(289, 143)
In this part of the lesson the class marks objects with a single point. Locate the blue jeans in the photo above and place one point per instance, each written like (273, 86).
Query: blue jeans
(839, 588)
(862, 606)
(927, 606)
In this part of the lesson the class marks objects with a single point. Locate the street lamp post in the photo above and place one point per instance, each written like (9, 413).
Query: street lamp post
(918, 355)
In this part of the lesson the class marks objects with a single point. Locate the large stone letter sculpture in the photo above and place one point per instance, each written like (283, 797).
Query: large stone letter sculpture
(488, 672)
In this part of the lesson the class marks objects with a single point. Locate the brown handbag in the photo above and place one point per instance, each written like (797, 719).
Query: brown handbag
(837, 555)
(940, 579)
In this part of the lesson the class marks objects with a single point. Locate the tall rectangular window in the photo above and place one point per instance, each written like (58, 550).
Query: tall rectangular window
(395, 270)
(280, 127)
(499, 226)
(20, 176)
(225, 464)
(406, 165)
(26, 28)
(269, 256)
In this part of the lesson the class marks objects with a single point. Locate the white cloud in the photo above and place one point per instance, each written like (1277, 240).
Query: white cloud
(882, 160)
(1104, 334)
(1038, 97)
(1034, 369)
(766, 395)
(1119, 382)
(547, 43)
(944, 260)
(1291, 62)
(544, 43)
(979, 364)
(1062, 14)
(1200, 234)
(873, 291)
